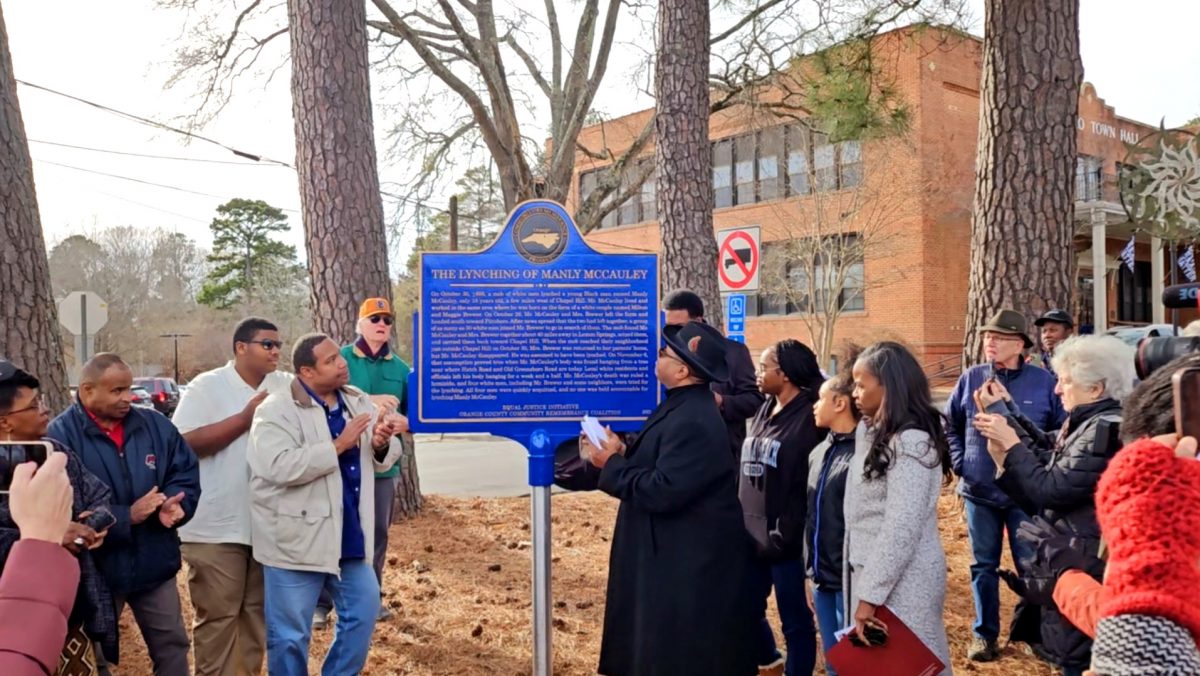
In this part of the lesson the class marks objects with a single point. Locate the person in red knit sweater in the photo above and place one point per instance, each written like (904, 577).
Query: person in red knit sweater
(1148, 505)
(38, 586)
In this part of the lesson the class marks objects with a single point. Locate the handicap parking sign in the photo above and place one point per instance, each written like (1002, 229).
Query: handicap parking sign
(735, 313)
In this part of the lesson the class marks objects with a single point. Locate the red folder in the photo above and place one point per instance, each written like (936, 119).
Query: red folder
(903, 655)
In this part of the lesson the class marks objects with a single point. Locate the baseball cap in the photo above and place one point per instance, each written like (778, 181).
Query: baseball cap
(1057, 316)
(374, 306)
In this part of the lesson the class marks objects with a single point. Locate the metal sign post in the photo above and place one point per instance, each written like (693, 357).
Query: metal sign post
(502, 338)
(83, 313)
(541, 476)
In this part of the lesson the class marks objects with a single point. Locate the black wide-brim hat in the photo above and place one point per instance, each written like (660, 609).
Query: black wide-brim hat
(701, 347)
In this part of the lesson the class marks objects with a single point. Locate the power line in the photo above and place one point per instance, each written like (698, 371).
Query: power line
(150, 156)
(160, 125)
(143, 182)
(153, 208)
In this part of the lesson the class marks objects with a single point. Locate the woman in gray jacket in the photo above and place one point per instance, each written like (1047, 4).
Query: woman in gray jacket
(894, 554)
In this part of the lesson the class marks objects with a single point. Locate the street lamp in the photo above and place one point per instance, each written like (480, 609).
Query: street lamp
(176, 337)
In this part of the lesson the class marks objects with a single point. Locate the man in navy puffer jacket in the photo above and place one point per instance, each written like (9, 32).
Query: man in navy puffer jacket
(155, 482)
(989, 510)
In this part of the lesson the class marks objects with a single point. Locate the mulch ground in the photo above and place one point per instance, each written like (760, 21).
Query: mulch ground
(458, 580)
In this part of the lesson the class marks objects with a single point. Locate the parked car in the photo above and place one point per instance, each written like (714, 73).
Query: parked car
(163, 392)
(1134, 334)
(141, 397)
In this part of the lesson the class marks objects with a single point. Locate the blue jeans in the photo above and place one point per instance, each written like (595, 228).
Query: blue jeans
(291, 598)
(831, 617)
(986, 526)
(799, 634)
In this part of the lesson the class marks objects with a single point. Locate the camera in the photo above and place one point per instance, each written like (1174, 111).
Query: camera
(1153, 353)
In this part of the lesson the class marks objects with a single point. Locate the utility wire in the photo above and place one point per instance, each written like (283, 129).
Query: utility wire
(149, 156)
(157, 124)
(143, 182)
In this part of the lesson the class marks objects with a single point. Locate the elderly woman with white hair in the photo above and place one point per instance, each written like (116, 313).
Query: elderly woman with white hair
(1055, 477)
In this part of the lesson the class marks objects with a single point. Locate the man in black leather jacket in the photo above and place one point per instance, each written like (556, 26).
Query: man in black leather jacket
(738, 397)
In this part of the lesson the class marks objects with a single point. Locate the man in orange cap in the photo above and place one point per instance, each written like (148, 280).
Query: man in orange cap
(379, 372)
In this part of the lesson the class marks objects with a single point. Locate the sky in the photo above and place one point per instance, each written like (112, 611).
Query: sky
(1143, 61)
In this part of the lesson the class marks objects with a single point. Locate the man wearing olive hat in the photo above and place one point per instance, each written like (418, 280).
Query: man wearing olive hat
(1055, 326)
(989, 510)
(677, 599)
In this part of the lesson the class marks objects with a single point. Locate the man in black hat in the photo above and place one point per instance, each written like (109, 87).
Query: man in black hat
(677, 601)
(989, 510)
(1055, 326)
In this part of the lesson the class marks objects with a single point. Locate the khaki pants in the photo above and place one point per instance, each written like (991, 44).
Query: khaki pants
(229, 631)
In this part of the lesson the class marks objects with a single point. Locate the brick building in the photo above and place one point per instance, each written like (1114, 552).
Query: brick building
(913, 194)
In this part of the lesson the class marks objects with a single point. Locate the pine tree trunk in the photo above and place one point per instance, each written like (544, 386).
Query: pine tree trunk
(345, 237)
(685, 197)
(408, 486)
(29, 331)
(1022, 230)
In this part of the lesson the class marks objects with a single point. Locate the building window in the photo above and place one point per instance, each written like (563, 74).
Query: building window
(743, 173)
(849, 164)
(770, 156)
(649, 196)
(722, 164)
(840, 256)
(797, 160)
(1133, 293)
(628, 213)
(824, 163)
(1088, 178)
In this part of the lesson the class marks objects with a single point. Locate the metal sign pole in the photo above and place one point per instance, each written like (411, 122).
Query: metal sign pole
(84, 327)
(541, 477)
(541, 580)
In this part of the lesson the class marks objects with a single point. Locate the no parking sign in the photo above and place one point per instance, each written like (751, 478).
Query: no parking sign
(738, 259)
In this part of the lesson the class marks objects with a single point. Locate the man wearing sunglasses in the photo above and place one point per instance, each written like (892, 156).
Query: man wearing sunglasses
(225, 581)
(379, 372)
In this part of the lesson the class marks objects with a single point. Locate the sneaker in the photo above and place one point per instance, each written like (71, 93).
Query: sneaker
(982, 650)
(385, 613)
(320, 619)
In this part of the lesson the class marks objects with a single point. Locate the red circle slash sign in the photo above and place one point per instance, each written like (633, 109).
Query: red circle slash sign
(735, 261)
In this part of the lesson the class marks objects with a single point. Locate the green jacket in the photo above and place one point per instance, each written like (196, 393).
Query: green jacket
(388, 375)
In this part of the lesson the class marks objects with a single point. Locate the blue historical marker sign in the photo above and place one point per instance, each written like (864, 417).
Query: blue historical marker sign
(526, 337)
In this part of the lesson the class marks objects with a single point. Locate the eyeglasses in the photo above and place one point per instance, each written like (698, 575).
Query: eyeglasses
(662, 352)
(765, 370)
(386, 319)
(268, 344)
(38, 404)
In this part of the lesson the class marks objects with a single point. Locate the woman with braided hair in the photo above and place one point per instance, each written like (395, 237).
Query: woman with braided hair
(772, 488)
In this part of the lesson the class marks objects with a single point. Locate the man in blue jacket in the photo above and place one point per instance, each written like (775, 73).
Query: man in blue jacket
(155, 486)
(989, 510)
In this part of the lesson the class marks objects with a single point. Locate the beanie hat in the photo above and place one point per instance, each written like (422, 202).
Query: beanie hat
(1148, 505)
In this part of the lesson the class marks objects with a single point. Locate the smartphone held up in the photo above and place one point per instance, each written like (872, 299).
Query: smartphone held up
(13, 453)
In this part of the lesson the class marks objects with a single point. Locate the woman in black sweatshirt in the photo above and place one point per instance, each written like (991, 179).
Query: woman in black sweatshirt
(825, 526)
(771, 486)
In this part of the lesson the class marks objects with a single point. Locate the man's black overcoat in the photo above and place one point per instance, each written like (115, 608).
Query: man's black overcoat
(678, 600)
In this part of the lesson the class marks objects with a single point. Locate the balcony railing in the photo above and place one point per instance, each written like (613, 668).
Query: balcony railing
(1094, 186)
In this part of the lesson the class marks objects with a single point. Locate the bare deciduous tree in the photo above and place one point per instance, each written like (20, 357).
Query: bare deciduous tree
(508, 82)
(818, 268)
